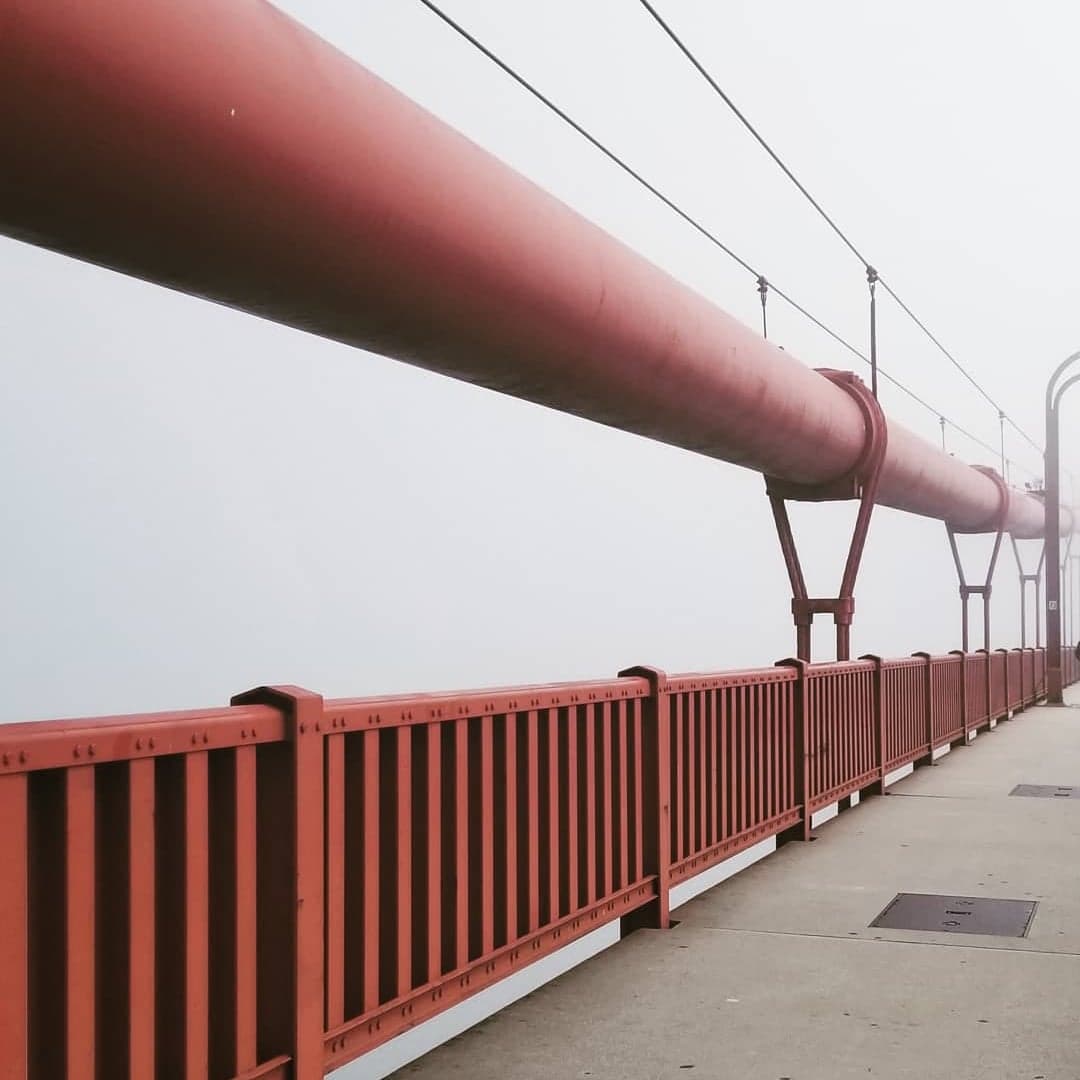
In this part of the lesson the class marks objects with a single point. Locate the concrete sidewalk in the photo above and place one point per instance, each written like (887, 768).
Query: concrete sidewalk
(776, 973)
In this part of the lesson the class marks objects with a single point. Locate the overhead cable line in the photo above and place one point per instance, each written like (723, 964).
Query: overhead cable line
(867, 266)
(764, 285)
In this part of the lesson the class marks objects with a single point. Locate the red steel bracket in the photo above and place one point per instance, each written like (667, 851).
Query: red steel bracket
(860, 482)
(997, 525)
(1035, 579)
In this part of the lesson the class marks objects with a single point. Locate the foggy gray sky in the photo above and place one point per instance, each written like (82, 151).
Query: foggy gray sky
(197, 501)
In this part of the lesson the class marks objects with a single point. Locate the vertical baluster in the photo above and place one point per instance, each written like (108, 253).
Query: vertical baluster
(591, 868)
(678, 798)
(761, 697)
(246, 900)
(692, 793)
(533, 778)
(703, 771)
(335, 879)
(639, 793)
(196, 891)
(554, 853)
(435, 877)
(743, 761)
(372, 872)
(723, 740)
(510, 767)
(14, 918)
(403, 857)
(624, 722)
(487, 835)
(714, 764)
(461, 841)
(607, 804)
(573, 815)
(80, 940)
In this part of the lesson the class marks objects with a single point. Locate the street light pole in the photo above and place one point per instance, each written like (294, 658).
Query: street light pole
(1053, 531)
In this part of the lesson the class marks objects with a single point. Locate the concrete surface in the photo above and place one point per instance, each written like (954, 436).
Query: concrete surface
(776, 974)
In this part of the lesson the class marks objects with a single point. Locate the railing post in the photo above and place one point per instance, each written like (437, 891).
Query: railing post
(802, 747)
(656, 774)
(301, 943)
(1021, 706)
(880, 748)
(929, 688)
(989, 689)
(963, 690)
(1005, 661)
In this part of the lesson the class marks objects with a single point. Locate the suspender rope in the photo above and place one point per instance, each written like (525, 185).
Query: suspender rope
(871, 281)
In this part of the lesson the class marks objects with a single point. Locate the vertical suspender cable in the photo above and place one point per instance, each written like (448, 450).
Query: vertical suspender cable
(871, 281)
(763, 292)
(1004, 460)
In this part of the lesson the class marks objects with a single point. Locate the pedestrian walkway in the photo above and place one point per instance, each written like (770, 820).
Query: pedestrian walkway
(776, 974)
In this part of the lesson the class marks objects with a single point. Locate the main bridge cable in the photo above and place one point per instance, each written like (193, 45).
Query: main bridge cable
(764, 285)
(825, 216)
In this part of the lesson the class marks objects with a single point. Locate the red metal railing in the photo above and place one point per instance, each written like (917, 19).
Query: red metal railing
(947, 683)
(274, 888)
(906, 707)
(843, 730)
(502, 824)
(732, 764)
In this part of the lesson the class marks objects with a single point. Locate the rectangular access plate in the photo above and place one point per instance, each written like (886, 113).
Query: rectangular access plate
(958, 915)
(1046, 791)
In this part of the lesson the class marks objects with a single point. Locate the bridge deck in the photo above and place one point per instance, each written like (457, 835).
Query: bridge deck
(776, 973)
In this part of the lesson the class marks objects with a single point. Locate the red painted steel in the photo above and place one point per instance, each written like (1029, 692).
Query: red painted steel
(947, 692)
(976, 698)
(342, 208)
(373, 862)
(905, 705)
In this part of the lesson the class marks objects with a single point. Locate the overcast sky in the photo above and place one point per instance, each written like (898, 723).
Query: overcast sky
(165, 545)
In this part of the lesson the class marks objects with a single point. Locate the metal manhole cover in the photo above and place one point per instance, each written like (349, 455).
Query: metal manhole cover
(958, 915)
(1046, 791)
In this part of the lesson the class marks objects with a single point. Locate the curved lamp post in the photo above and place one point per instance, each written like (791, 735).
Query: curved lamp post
(1053, 530)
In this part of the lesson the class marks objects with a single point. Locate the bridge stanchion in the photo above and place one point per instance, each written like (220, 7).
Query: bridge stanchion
(801, 754)
(290, 936)
(860, 483)
(928, 691)
(656, 773)
(880, 736)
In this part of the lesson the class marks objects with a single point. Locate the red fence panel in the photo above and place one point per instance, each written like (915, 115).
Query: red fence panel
(843, 730)
(1015, 675)
(1033, 660)
(947, 696)
(977, 696)
(467, 836)
(130, 895)
(905, 703)
(732, 764)
(999, 705)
